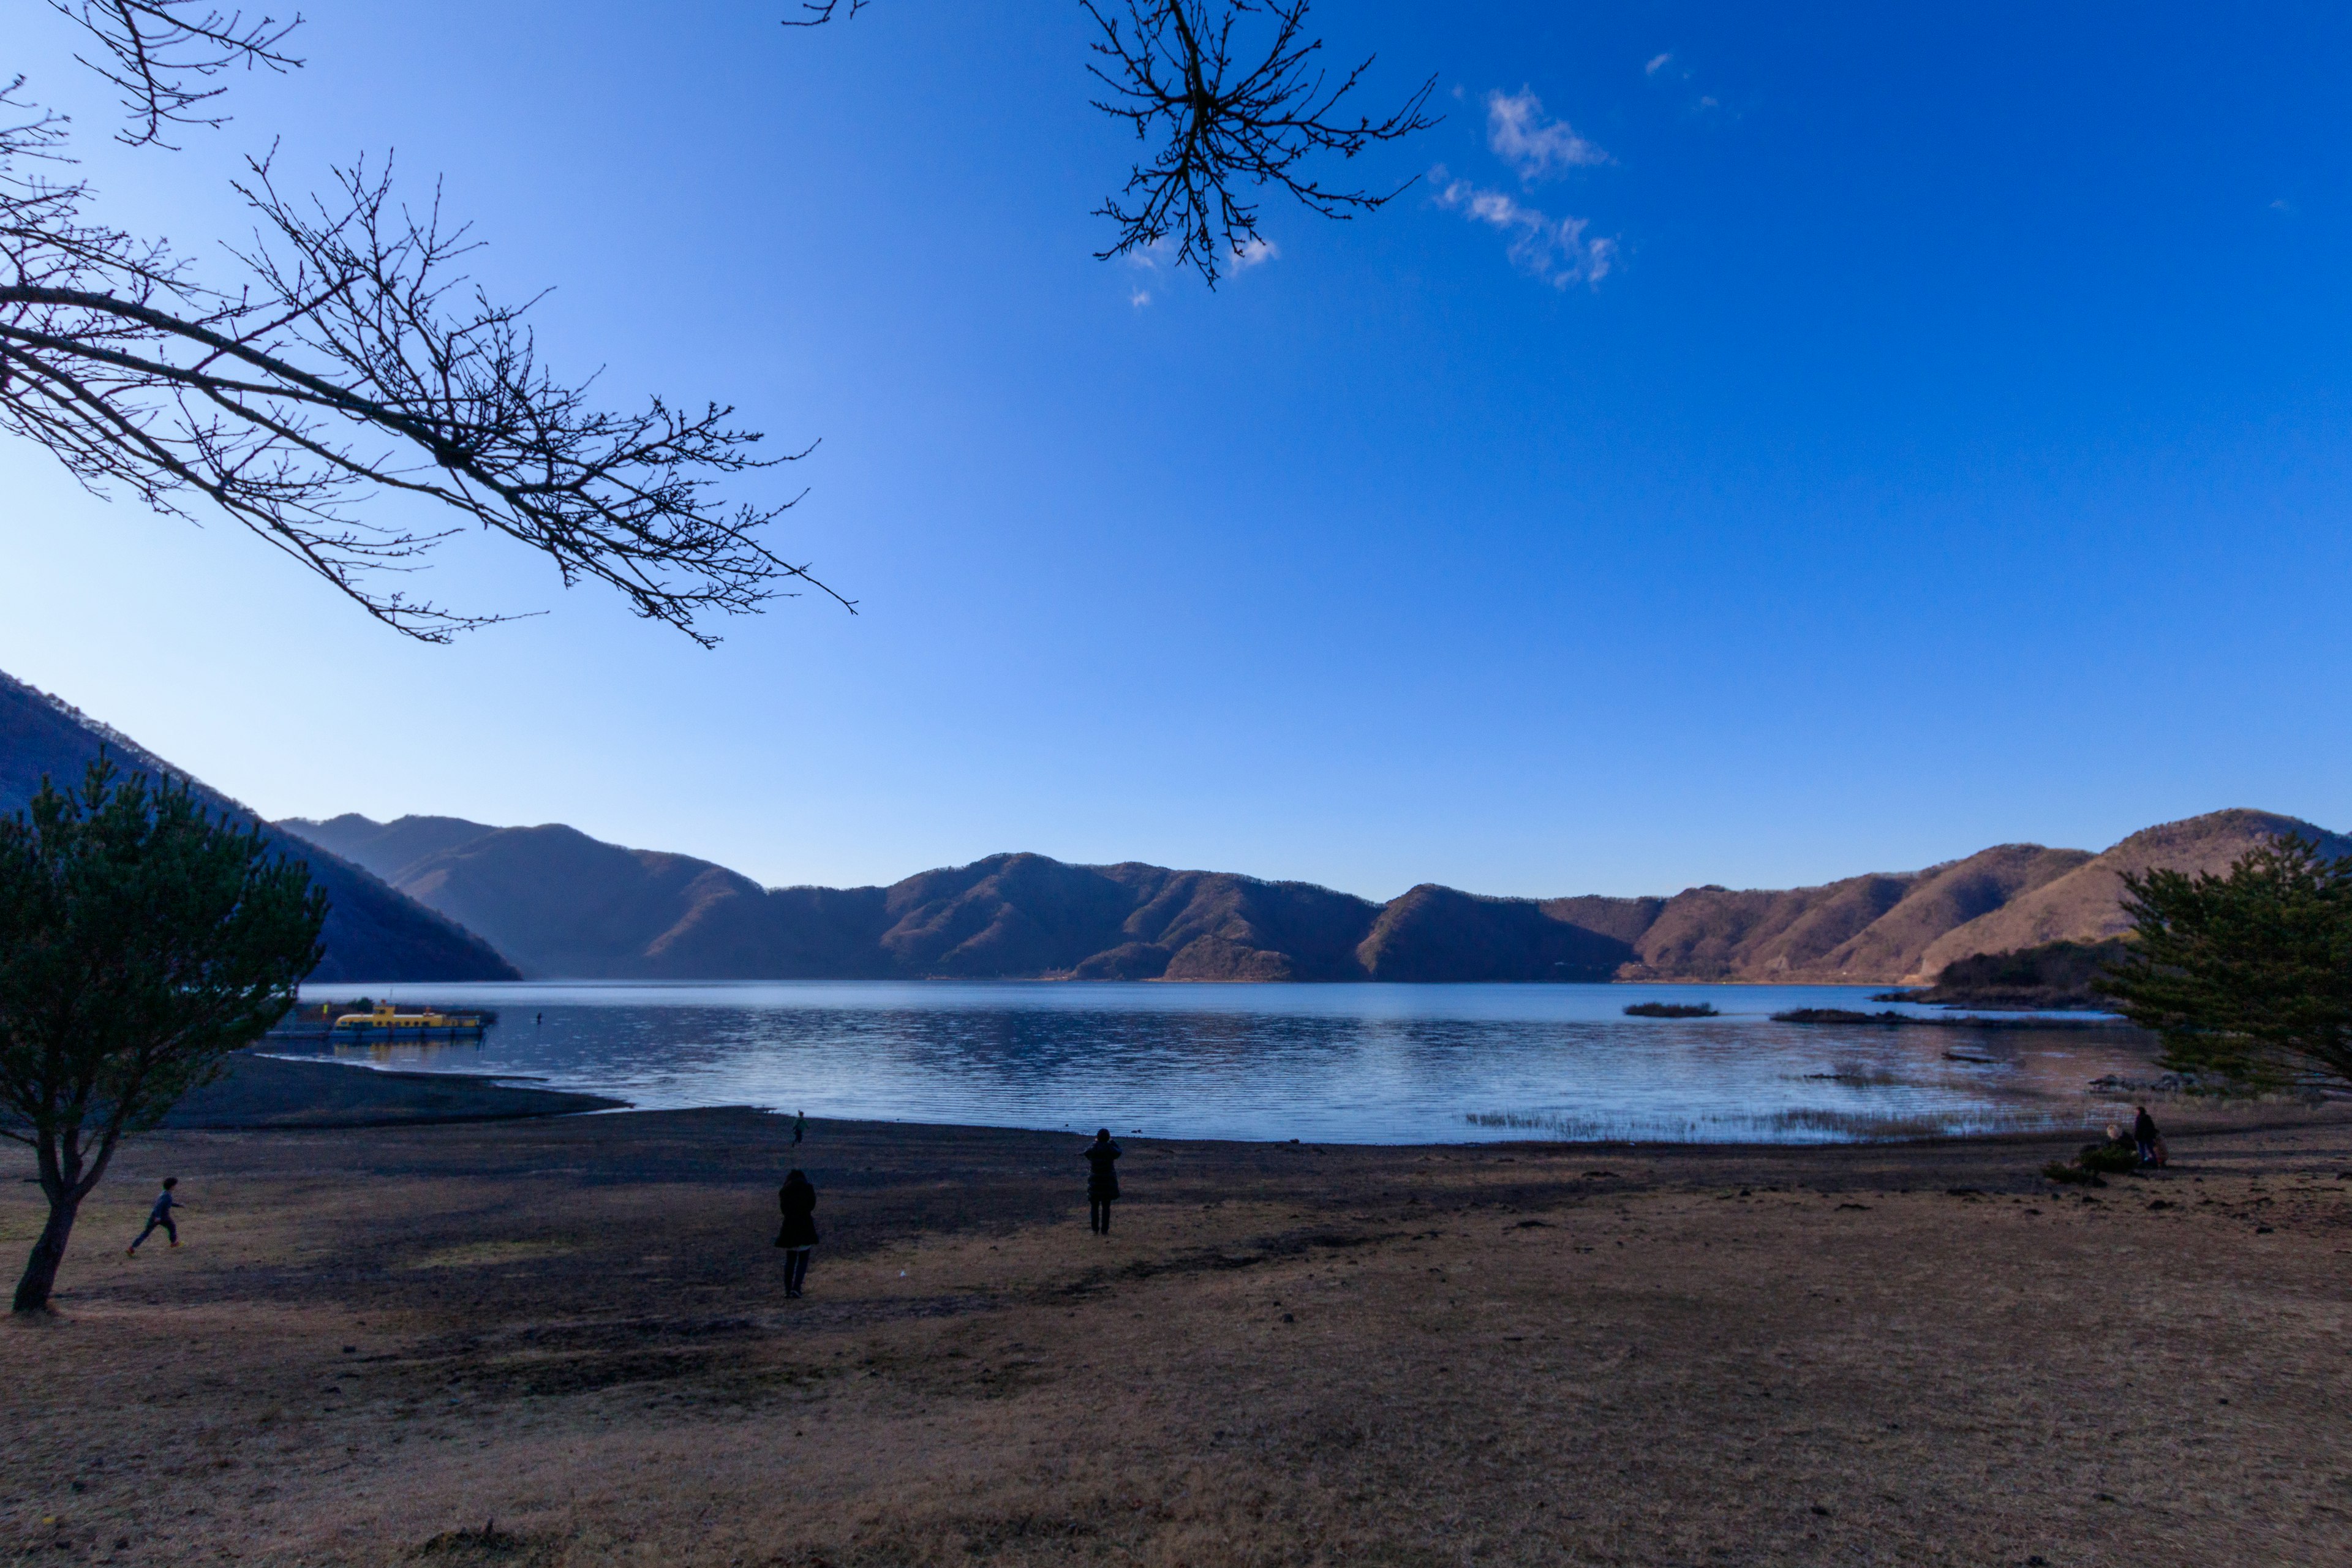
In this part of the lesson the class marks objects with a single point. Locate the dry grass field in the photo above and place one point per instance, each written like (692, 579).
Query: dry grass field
(564, 1341)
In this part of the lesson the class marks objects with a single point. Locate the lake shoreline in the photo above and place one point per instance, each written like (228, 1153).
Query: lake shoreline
(258, 1091)
(264, 1093)
(1383, 1064)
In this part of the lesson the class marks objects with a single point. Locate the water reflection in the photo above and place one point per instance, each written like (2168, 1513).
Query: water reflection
(1322, 1063)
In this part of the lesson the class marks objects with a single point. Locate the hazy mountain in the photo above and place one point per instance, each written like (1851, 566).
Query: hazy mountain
(374, 932)
(560, 903)
(565, 905)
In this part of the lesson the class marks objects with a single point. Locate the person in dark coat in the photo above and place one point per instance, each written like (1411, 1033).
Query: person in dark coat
(2144, 1134)
(797, 1198)
(1102, 1182)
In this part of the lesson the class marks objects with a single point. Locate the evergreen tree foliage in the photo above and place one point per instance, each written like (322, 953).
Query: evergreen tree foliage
(2247, 974)
(142, 941)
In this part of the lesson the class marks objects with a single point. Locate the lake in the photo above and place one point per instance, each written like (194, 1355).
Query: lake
(1372, 1064)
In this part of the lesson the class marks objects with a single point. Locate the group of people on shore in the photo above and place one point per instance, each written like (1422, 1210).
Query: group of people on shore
(797, 1199)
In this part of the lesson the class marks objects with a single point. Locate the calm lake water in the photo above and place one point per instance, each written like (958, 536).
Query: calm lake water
(1371, 1064)
(1323, 1063)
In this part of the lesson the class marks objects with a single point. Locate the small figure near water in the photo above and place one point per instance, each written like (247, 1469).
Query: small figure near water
(160, 1216)
(2150, 1142)
(797, 1198)
(1102, 1181)
(800, 1125)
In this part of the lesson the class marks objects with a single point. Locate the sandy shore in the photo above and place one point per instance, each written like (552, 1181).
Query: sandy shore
(563, 1340)
(259, 1091)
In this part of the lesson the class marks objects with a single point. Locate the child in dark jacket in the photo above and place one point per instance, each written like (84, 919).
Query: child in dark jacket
(160, 1217)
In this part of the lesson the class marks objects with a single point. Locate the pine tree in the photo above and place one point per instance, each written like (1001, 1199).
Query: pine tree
(140, 942)
(2247, 974)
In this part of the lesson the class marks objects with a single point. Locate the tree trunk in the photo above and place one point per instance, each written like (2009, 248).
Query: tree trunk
(41, 1269)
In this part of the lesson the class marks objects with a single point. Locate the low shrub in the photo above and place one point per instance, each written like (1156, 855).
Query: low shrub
(2113, 1159)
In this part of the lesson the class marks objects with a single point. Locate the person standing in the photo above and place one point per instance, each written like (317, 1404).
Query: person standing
(800, 1126)
(797, 1198)
(1102, 1181)
(160, 1216)
(2144, 1134)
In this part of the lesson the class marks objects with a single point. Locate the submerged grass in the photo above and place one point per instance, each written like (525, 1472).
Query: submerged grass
(1799, 1125)
(1950, 1020)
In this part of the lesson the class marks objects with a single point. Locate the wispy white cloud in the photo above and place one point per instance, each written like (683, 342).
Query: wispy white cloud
(1151, 258)
(1554, 249)
(1138, 298)
(1532, 145)
(1157, 257)
(1657, 64)
(1256, 253)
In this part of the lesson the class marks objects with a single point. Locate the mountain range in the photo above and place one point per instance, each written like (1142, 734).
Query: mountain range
(374, 932)
(561, 904)
(437, 898)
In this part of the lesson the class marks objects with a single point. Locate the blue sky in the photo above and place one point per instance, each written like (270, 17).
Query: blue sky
(1953, 449)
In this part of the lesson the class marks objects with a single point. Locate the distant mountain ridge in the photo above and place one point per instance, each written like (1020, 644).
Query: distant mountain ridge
(373, 931)
(563, 905)
(2086, 905)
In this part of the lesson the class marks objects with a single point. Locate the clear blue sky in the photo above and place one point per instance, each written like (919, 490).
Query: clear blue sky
(1953, 450)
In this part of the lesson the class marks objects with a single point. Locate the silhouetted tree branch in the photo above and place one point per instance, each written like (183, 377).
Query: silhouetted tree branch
(1232, 92)
(154, 47)
(1225, 122)
(352, 359)
(822, 11)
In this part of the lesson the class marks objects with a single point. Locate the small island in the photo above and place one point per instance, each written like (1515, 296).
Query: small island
(1671, 1010)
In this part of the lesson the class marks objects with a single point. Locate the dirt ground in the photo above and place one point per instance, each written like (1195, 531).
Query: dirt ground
(565, 1341)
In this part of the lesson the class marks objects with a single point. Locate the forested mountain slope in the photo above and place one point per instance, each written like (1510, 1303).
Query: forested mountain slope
(374, 932)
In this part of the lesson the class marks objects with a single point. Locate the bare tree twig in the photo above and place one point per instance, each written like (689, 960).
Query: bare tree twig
(1229, 120)
(156, 51)
(822, 10)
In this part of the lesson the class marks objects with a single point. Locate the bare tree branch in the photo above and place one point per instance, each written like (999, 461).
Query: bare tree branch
(822, 10)
(1224, 123)
(157, 51)
(351, 360)
(1229, 120)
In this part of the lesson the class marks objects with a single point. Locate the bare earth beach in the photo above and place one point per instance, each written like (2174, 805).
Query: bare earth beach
(564, 1340)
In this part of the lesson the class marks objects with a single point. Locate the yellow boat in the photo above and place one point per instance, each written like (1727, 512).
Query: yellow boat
(385, 1017)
